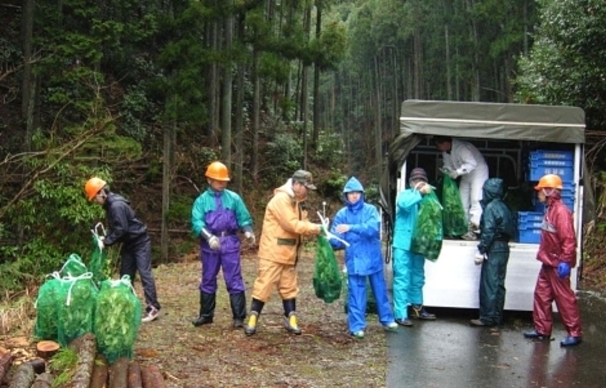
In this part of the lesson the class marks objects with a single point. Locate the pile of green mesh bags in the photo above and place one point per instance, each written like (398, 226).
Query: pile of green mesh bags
(70, 304)
(117, 319)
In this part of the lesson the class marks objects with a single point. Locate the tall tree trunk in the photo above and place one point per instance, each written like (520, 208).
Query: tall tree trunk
(304, 99)
(28, 86)
(226, 134)
(448, 75)
(256, 116)
(239, 113)
(170, 130)
(316, 118)
(378, 120)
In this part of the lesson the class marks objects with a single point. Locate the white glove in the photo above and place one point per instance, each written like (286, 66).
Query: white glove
(214, 243)
(100, 242)
(250, 237)
(425, 189)
(453, 174)
(479, 258)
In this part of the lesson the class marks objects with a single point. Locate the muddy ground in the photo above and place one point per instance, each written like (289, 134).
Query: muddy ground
(218, 356)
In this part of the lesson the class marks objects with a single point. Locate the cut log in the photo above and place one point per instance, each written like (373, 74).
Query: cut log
(5, 364)
(134, 375)
(100, 372)
(45, 380)
(47, 349)
(152, 377)
(86, 349)
(118, 373)
(23, 377)
(38, 364)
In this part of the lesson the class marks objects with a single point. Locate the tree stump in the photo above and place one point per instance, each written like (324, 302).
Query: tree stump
(100, 372)
(47, 349)
(152, 377)
(118, 373)
(5, 364)
(134, 375)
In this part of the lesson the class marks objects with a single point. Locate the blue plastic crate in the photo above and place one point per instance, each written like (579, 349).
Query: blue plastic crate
(552, 154)
(536, 172)
(529, 217)
(529, 236)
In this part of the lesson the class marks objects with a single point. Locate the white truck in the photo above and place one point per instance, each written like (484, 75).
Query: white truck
(506, 134)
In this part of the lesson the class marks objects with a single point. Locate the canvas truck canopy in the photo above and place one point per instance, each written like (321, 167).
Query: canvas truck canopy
(480, 120)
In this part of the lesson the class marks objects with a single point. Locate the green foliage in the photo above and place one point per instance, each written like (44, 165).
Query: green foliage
(282, 156)
(63, 366)
(566, 63)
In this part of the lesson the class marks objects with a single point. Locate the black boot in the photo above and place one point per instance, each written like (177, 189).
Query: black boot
(290, 317)
(207, 309)
(238, 308)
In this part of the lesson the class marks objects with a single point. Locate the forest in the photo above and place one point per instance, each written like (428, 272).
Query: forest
(146, 93)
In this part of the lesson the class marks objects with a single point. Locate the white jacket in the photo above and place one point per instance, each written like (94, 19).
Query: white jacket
(465, 159)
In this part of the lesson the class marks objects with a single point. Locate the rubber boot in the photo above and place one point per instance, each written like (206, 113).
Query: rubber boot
(419, 312)
(255, 310)
(290, 317)
(238, 309)
(207, 309)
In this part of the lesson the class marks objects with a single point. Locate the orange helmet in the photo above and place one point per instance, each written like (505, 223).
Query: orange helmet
(549, 181)
(217, 171)
(93, 186)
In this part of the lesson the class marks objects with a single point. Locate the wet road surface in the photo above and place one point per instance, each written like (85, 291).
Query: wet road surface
(449, 353)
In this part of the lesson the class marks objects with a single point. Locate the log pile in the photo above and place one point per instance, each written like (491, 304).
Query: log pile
(91, 371)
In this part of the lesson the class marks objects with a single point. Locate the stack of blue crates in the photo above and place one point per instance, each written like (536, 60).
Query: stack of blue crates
(529, 227)
(543, 162)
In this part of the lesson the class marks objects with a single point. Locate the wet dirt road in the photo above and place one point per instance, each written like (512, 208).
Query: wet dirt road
(451, 354)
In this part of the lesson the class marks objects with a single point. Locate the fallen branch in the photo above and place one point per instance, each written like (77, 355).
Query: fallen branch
(45, 380)
(118, 373)
(134, 375)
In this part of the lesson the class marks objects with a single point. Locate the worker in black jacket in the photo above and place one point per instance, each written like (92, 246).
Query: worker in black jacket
(497, 229)
(126, 228)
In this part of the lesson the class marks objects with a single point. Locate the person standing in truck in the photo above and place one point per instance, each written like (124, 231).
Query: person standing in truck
(557, 253)
(409, 267)
(497, 228)
(462, 159)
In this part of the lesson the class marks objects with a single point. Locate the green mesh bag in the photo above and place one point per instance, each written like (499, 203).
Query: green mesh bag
(327, 277)
(454, 217)
(98, 261)
(428, 234)
(76, 306)
(74, 266)
(117, 319)
(47, 309)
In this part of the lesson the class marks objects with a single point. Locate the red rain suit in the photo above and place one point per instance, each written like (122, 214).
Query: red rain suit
(558, 244)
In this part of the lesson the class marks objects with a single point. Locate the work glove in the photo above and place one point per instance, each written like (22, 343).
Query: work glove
(101, 242)
(250, 237)
(425, 189)
(479, 258)
(563, 270)
(453, 174)
(214, 243)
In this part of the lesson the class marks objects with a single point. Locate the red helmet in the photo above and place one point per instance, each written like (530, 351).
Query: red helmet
(93, 186)
(549, 181)
(217, 171)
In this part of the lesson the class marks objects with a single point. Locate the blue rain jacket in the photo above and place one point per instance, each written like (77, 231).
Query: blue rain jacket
(363, 256)
(407, 209)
